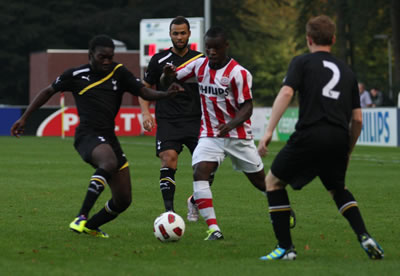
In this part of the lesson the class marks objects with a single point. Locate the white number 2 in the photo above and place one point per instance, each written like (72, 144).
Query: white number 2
(328, 91)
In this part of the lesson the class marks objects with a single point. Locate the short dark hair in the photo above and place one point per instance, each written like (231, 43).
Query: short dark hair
(179, 20)
(321, 29)
(101, 40)
(217, 32)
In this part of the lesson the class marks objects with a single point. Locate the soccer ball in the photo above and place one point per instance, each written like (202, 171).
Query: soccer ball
(169, 227)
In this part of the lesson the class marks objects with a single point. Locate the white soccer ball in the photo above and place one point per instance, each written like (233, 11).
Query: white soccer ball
(169, 227)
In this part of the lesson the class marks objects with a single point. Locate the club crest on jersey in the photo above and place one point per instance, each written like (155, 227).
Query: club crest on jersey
(212, 90)
(114, 82)
(225, 81)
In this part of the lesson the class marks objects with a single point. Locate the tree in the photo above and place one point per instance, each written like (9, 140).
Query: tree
(264, 35)
(358, 22)
(33, 25)
(261, 39)
(395, 20)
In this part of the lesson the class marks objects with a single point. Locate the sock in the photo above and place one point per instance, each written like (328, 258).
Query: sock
(348, 207)
(167, 187)
(210, 181)
(98, 181)
(106, 214)
(279, 211)
(203, 197)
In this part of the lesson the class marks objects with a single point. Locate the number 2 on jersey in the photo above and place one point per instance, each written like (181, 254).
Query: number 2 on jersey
(328, 91)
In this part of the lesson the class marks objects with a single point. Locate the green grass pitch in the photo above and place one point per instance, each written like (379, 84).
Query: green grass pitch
(43, 182)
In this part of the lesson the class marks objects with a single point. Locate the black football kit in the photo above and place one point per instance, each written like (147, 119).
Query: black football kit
(328, 93)
(98, 98)
(178, 118)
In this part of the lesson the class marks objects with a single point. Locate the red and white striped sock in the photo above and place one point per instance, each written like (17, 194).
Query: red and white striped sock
(203, 197)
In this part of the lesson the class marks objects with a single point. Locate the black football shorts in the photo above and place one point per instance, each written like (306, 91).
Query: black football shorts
(175, 134)
(86, 141)
(320, 150)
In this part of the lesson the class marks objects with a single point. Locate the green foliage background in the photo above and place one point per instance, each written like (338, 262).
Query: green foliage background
(264, 34)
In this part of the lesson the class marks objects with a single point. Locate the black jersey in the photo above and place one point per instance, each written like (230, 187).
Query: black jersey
(328, 90)
(98, 96)
(184, 105)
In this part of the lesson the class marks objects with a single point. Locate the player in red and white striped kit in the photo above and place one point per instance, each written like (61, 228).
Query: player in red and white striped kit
(226, 102)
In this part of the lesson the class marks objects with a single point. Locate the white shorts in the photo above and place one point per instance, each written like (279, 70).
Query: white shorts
(243, 153)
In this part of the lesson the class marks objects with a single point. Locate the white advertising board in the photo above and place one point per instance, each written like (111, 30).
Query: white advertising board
(154, 36)
(259, 122)
(379, 127)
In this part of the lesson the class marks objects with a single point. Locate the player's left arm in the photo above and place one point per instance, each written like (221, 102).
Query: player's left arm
(355, 127)
(150, 94)
(137, 88)
(244, 113)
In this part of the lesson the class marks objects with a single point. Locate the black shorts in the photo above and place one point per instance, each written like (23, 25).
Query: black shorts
(320, 150)
(175, 134)
(86, 141)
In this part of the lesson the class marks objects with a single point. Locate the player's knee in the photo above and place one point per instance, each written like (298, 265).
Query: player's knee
(273, 183)
(260, 185)
(124, 205)
(110, 165)
(169, 158)
(104, 157)
(201, 172)
(117, 206)
(125, 202)
(196, 175)
(258, 180)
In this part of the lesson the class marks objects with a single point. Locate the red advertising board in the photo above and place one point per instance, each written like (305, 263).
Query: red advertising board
(128, 122)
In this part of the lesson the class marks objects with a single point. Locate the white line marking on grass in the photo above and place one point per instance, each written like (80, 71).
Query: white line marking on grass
(137, 143)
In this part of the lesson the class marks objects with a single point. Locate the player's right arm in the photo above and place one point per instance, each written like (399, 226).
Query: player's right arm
(172, 73)
(18, 127)
(148, 120)
(278, 108)
(169, 75)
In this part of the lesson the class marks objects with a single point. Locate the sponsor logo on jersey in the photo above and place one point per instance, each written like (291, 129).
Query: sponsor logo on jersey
(212, 90)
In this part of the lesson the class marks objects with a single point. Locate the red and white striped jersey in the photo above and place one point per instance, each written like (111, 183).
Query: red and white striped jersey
(221, 93)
